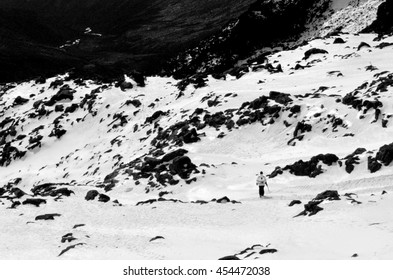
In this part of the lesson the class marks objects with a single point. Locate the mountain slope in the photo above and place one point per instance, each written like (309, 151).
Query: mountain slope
(122, 160)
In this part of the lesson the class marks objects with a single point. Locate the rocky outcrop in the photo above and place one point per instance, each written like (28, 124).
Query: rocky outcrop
(384, 22)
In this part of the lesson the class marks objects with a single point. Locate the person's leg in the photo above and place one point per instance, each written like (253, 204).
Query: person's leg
(261, 191)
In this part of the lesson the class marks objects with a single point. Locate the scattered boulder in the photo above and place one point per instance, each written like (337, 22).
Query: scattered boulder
(224, 199)
(311, 168)
(363, 45)
(91, 195)
(385, 154)
(156, 238)
(268, 251)
(279, 97)
(67, 238)
(155, 116)
(313, 51)
(65, 93)
(310, 209)
(339, 41)
(229, 258)
(34, 201)
(78, 225)
(182, 166)
(373, 165)
(294, 202)
(47, 217)
(104, 198)
(70, 247)
(20, 101)
(328, 195)
(125, 85)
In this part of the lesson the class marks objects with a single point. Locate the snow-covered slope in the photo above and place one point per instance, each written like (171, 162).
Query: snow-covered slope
(152, 159)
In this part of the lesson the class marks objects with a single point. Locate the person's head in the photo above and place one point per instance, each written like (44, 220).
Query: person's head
(261, 172)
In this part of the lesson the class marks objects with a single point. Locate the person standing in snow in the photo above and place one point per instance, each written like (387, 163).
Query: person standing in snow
(261, 183)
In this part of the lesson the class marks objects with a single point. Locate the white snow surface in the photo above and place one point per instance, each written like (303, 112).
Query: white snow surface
(213, 230)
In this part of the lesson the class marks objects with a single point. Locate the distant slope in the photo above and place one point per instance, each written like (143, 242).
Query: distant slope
(269, 25)
(137, 34)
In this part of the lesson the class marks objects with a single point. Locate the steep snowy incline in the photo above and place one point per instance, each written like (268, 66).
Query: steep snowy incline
(134, 162)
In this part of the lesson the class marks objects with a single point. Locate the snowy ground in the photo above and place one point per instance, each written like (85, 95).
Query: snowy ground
(213, 230)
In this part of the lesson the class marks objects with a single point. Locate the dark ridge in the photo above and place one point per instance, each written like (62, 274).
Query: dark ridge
(137, 35)
(265, 23)
(384, 22)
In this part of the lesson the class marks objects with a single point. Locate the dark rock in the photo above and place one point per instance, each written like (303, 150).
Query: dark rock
(385, 154)
(135, 102)
(384, 21)
(339, 41)
(328, 195)
(47, 217)
(156, 238)
(63, 94)
(268, 251)
(18, 193)
(182, 166)
(78, 225)
(69, 248)
(373, 165)
(310, 209)
(55, 84)
(313, 51)
(223, 200)
(295, 109)
(229, 258)
(91, 195)
(311, 168)
(34, 201)
(150, 201)
(57, 132)
(20, 101)
(276, 172)
(279, 97)
(302, 127)
(67, 238)
(125, 85)
(103, 198)
(191, 136)
(294, 202)
(363, 45)
(72, 108)
(155, 116)
(172, 155)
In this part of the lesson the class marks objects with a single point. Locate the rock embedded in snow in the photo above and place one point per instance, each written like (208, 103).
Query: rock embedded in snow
(156, 238)
(229, 258)
(385, 154)
(294, 202)
(103, 198)
(314, 51)
(339, 40)
(68, 238)
(328, 195)
(46, 217)
(69, 248)
(91, 195)
(363, 45)
(34, 201)
(20, 101)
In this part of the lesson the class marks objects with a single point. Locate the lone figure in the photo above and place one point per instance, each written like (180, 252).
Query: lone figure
(261, 183)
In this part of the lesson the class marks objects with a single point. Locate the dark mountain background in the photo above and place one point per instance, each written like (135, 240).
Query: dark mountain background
(136, 34)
